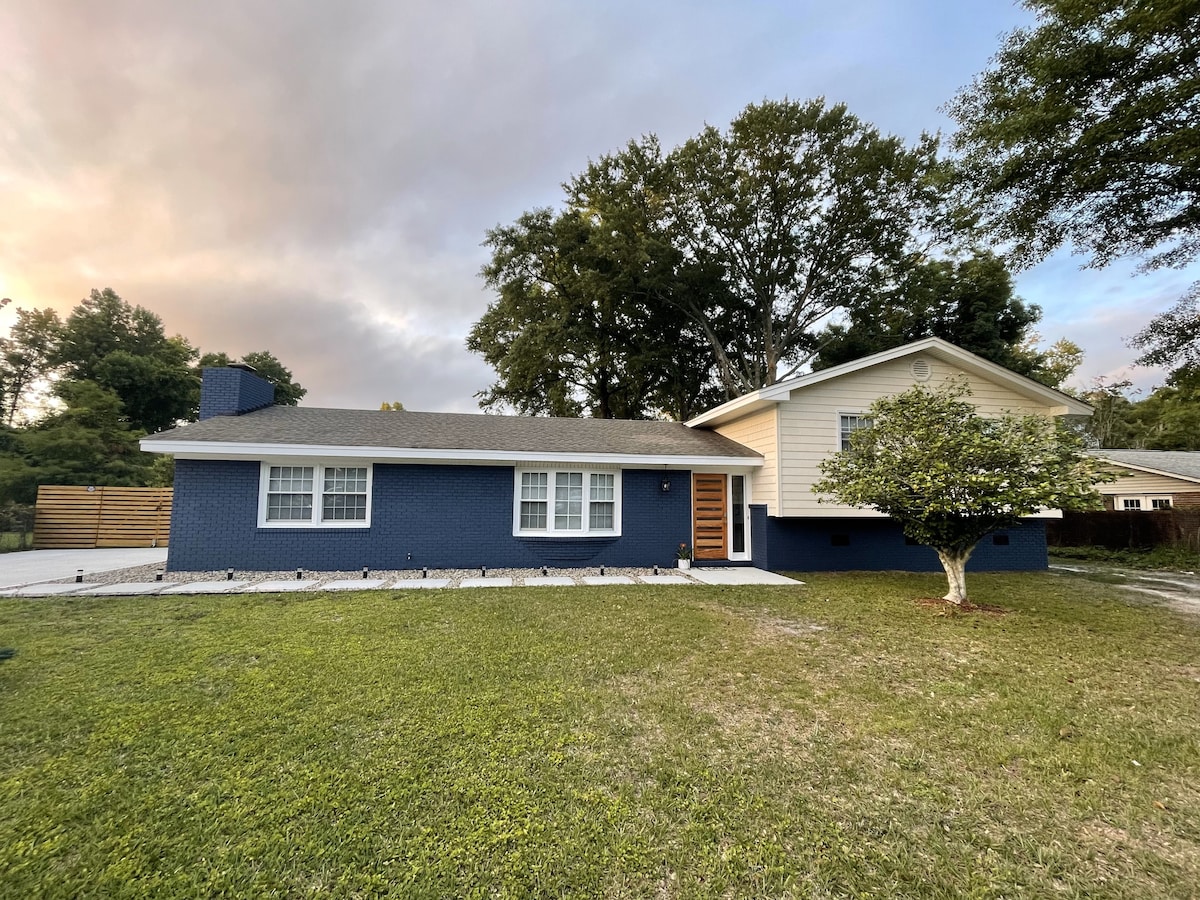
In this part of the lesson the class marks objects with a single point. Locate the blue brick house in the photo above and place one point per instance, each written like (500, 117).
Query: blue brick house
(263, 487)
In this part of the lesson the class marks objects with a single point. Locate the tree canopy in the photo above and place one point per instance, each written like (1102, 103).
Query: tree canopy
(123, 349)
(90, 441)
(970, 303)
(1083, 131)
(574, 331)
(1173, 338)
(1168, 419)
(25, 359)
(949, 475)
(670, 281)
(115, 375)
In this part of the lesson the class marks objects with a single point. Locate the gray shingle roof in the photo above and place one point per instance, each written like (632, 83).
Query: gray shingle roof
(456, 431)
(1173, 462)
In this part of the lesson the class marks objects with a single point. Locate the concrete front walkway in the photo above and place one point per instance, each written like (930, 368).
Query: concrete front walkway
(328, 581)
(738, 575)
(33, 566)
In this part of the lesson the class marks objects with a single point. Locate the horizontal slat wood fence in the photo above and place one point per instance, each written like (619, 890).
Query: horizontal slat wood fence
(1123, 530)
(78, 518)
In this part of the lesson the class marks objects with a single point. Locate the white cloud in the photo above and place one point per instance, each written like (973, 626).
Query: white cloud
(316, 178)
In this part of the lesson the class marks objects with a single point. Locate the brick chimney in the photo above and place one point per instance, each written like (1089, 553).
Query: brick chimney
(232, 391)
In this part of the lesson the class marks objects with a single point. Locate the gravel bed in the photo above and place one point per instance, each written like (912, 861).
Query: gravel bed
(454, 576)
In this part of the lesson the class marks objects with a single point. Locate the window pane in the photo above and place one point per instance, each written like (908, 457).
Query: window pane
(568, 501)
(602, 487)
(533, 514)
(1132, 503)
(600, 516)
(1160, 503)
(341, 480)
(850, 424)
(290, 479)
(737, 510)
(289, 507)
(345, 507)
(534, 485)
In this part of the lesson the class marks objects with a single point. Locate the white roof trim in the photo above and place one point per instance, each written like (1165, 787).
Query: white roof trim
(1146, 469)
(779, 392)
(232, 450)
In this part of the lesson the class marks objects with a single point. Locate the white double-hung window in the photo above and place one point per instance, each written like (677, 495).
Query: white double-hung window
(314, 496)
(848, 423)
(566, 502)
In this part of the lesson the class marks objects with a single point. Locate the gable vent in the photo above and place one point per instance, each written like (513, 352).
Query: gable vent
(921, 369)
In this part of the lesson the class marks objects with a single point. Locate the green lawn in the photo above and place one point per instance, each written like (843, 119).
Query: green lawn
(831, 740)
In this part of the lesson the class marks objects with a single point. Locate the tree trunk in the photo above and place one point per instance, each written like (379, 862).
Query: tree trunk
(955, 564)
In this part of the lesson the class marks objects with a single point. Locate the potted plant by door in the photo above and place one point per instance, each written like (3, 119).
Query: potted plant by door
(685, 556)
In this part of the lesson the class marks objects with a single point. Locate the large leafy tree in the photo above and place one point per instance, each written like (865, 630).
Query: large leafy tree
(970, 303)
(949, 475)
(803, 209)
(670, 281)
(578, 329)
(1173, 338)
(90, 441)
(1083, 132)
(1169, 419)
(25, 359)
(123, 349)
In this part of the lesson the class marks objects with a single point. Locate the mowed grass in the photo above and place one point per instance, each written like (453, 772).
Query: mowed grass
(836, 739)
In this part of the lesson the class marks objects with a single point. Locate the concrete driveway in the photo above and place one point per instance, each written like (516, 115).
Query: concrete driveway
(34, 566)
(1179, 590)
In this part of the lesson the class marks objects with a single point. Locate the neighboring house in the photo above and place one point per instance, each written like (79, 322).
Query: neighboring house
(1151, 479)
(260, 487)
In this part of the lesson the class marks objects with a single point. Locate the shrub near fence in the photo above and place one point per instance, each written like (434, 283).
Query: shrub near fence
(1126, 530)
(16, 527)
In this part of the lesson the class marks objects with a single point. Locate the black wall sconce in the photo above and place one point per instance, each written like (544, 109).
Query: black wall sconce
(666, 484)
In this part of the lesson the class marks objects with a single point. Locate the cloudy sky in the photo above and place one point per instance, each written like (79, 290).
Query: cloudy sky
(315, 178)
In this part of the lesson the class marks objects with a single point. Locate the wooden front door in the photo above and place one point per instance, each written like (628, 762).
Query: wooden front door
(709, 537)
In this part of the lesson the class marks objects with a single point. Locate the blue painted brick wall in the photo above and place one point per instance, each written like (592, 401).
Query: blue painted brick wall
(231, 392)
(806, 545)
(444, 516)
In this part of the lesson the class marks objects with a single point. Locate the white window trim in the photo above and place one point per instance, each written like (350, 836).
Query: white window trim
(1147, 501)
(550, 530)
(319, 466)
(837, 425)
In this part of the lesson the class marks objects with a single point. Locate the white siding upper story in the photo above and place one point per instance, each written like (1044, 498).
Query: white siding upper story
(1130, 481)
(759, 431)
(795, 427)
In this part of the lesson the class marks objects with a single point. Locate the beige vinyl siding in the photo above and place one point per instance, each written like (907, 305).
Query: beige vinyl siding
(759, 431)
(808, 423)
(1145, 483)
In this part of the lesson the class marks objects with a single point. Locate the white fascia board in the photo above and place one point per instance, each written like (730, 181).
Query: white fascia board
(231, 450)
(1146, 469)
(743, 405)
(1060, 403)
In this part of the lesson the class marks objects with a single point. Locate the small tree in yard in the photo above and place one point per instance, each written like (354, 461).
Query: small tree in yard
(949, 475)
